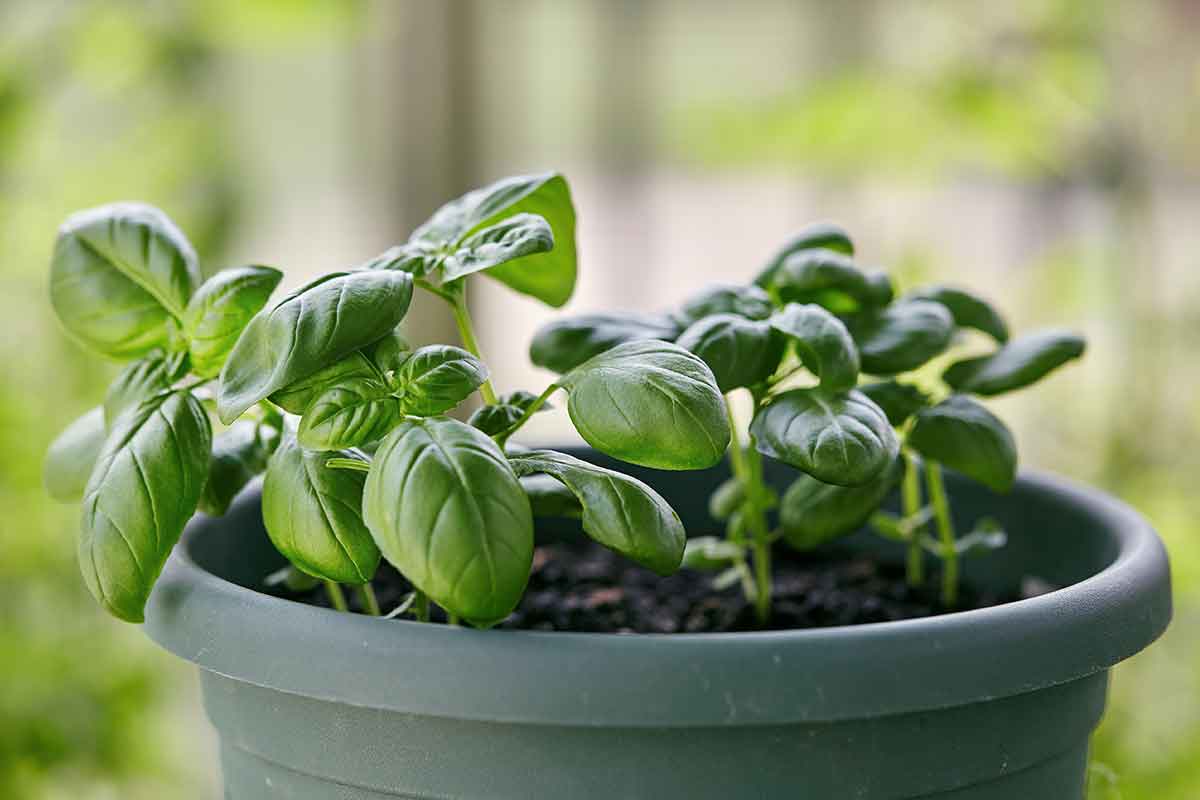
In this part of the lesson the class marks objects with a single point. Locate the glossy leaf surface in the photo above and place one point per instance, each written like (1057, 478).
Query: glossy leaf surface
(239, 454)
(819, 236)
(813, 513)
(902, 336)
(898, 400)
(965, 436)
(750, 302)
(350, 414)
(436, 378)
(649, 403)
(821, 342)
(297, 397)
(221, 309)
(825, 277)
(71, 456)
(549, 497)
(968, 310)
(564, 344)
(498, 417)
(139, 381)
(739, 351)
(512, 238)
(1016, 365)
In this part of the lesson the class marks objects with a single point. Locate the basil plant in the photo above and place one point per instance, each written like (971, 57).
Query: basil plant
(859, 389)
(319, 392)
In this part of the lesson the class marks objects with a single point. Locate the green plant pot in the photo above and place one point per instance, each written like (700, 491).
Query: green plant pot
(994, 704)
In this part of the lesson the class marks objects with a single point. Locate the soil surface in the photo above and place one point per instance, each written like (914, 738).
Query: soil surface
(590, 589)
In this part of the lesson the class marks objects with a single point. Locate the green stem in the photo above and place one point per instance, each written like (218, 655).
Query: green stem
(421, 606)
(910, 496)
(369, 601)
(747, 468)
(353, 464)
(336, 598)
(502, 438)
(945, 528)
(462, 318)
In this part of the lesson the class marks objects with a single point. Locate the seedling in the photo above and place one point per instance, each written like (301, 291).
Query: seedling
(800, 341)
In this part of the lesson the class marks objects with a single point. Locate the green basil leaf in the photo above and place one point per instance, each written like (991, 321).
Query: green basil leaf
(965, 436)
(880, 288)
(548, 276)
(447, 511)
(967, 309)
(506, 240)
(813, 513)
(548, 497)
(726, 499)
(239, 453)
(750, 302)
(350, 414)
(389, 353)
(313, 514)
(296, 398)
(822, 343)
(898, 400)
(740, 352)
(221, 309)
(902, 336)
(142, 491)
(118, 274)
(436, 378)
(71, 456)
(564, 344)
(820, 236)
(619, 512)
(709, 553)
(841, 438)
(139, 381)
(1016, 365)
(824, 277)
(309, 329)
(649, 403)
(416, 258)
(498, 417)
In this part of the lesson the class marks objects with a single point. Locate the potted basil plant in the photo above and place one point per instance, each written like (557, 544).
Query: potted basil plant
(373, 499)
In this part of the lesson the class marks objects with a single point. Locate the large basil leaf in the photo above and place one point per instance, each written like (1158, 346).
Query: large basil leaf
(841, 438)
(965, 436)
(902, 336)
(1016, 365)
(739, 351)
(309, 329)
(824, 277)
(619, 512)
(447, 511)
(564, 344)
(142, 491)
(548, 497)
(649, 403)
(506, 240)
(71, 456)
(820, 236)
(548, 276)
(436, 378)
(313, 514)
(822, 343)
(221, 309)
(967, 309)
(239, 453)
(750, 302)
(813, 513)
(139, 381)
(498, 417)
(352, 413)
(118, 274)
(898, 400)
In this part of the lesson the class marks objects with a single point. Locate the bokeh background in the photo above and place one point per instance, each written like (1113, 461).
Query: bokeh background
(1045, 151)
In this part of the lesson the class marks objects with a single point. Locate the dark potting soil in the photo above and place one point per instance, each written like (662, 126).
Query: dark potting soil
(590, 589)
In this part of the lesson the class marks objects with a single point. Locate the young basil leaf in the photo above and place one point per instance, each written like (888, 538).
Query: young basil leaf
(350, 414)
(898, 400)
(965, 436)
(71, 456)
(881, 291)
(726, 499)
(967, 309)
(498, 417)
(564, 344)
(118, 274)
(221, 309)
(447, 511)
(740, 352)
(750, 302)
(548, 497)
(436, 378)
(389, 353)
(296, 398)
(813, 513)
(506, 240)
(239, 453)
(708, 553)
(1016, 365)
(837, 437)
(901, 337)
(416, 258)
(547, 276)
(819, 236)
(649, 403)
(309, 329)
(824, 277)
(139, 381)
(313, 514)
(142, 491)
(822, 343)
(619, 512)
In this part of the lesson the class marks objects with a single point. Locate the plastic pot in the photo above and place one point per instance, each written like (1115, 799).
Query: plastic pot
(993, 704)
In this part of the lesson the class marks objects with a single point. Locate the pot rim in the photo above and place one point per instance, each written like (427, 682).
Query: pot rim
(682, 679)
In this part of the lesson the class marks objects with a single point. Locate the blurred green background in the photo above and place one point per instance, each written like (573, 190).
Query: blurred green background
(1046, 151)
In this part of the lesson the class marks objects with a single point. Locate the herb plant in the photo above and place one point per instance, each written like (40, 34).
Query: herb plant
(858, 389)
